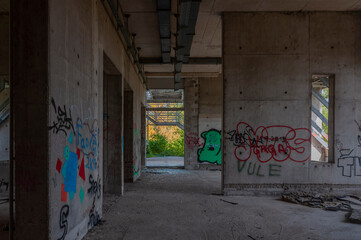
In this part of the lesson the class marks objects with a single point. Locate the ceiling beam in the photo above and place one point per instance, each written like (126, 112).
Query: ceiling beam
(163, 109)
(188, 14)
(192, 61)
(164, 9)
(184, 74)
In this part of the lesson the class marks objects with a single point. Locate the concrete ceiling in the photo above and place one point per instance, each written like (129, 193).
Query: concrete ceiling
(165, 96)
(207, 42)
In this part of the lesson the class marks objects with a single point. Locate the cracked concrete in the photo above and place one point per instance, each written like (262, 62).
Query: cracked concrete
(182, 204)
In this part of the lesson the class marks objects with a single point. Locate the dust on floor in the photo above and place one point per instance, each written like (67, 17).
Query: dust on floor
(181, 204)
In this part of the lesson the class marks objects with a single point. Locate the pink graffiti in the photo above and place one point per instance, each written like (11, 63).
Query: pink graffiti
(265, 146)
(191, 140)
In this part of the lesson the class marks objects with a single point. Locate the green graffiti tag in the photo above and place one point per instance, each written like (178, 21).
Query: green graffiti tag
(211, 151)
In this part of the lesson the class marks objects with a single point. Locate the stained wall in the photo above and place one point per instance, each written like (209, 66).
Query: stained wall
(269, 59)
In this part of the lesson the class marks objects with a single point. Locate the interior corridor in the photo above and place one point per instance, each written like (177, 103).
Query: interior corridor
(186, 204)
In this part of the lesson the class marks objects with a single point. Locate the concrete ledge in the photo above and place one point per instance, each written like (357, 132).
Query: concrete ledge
(203, 166)
(278, 189)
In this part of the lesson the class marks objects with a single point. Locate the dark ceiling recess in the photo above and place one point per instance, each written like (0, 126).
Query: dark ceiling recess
(188, 13)
(164, 8)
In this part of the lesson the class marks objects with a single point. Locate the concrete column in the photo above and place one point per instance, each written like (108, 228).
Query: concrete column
(29, 74)
(266, 99)
(4, 45)
(112, 140)
(142, 140)
(191, 138)
(128, 136)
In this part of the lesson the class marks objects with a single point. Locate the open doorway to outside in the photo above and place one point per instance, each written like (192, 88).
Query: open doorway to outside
(165, 128)
(322, 120)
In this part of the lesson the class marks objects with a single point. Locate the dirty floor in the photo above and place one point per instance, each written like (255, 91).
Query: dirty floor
(180, 204)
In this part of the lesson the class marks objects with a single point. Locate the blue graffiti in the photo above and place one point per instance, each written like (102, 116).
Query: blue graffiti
(87, 141)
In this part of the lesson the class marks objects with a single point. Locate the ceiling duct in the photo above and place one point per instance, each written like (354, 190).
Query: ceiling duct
(187, 19)
(164, 9)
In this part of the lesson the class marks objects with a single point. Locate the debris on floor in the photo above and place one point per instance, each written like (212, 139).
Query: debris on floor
(347, 203)
(355, 216)
(233, 203)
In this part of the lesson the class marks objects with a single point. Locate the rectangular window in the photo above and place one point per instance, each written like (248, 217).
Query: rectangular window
(322, 117)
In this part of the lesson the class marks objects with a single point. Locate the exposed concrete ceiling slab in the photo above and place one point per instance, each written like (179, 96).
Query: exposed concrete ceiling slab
(145, 26)
(138, 6)
(186, 68)
(165, 96)
(207, 41)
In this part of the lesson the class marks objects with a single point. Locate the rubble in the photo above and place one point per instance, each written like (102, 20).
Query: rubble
(347, 203)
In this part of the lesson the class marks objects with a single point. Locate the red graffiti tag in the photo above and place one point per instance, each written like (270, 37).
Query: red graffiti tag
(191, 140)
(265, 146)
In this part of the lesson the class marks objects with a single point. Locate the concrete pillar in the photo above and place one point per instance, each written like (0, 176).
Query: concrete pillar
(191, 138)
(266, 97)
(29, 74)
(112, 138)
(128, 136)
(4, 45)
(142, 132)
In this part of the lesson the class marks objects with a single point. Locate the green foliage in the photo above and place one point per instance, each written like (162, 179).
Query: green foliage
(159, 146)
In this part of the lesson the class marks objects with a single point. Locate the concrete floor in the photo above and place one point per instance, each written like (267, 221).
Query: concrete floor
(165, 162)
(181, 204)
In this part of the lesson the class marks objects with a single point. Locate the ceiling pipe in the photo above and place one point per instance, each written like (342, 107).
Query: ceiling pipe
(191, 61)
(186, 24)
(164, 9)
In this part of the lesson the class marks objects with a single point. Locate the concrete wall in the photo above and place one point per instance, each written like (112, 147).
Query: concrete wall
(210, 122)
(59, 114)
(268, 62)
(4, 129)
(191, 108)
(203, 123)
(112, 134)
(4, 44)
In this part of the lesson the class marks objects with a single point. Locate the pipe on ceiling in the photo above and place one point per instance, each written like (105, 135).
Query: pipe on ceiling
(164, 9)
(187, 19)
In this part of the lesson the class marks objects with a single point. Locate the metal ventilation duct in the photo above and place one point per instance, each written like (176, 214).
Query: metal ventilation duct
(164, 8)
(188, 14)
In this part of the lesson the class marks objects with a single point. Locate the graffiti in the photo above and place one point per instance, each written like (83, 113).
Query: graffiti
(349, 160)
(351, 166)
(93, 216)
(80, 152)
(274, 170)
(211, 150)
(63, 222)
(63, 122)
(87, 141)
(290, 144)
(95, 186)
(4, 185)
(191, 140)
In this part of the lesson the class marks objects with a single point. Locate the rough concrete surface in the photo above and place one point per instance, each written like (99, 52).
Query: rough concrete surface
(4, 219)
(165, 162)
(182, 204)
